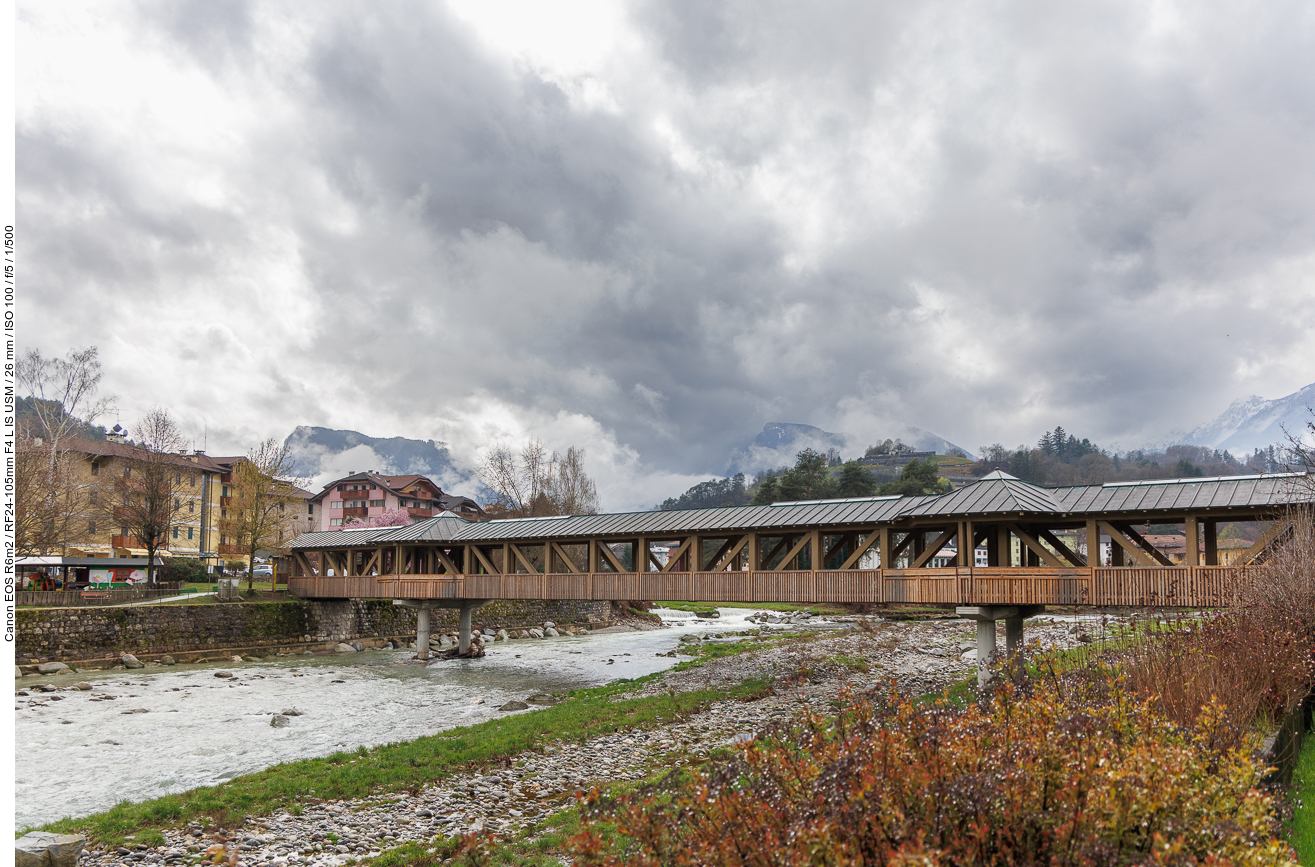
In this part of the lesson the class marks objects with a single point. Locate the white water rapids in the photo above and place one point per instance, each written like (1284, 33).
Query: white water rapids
(84, 753)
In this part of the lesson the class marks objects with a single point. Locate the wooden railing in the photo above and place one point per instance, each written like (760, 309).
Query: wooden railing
(1184, 586)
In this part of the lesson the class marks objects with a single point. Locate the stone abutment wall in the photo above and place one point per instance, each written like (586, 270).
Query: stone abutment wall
(95, 633)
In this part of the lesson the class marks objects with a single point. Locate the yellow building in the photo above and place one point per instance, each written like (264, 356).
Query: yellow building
(194, 533)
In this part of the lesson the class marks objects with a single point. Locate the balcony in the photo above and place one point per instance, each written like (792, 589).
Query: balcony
(419, 513)
(125, 542)
(359, 512)
(230, 551)
(225, 502)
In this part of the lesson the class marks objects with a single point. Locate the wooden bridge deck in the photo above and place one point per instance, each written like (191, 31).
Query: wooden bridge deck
(1170, 586)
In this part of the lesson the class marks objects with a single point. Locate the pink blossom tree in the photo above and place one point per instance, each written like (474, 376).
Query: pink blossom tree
(390, 518)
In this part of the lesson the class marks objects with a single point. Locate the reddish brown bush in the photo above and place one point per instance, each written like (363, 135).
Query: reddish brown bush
(1038, 779)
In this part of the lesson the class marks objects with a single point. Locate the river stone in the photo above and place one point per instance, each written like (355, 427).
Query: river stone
(43, 849)
(279, 721)
(344, 648)
(83, 687)
(223, 674)
(51, 667)
(525, 633)
(130, 661)
(515, 705)
(503, 636)
(18, 672)
(357, 646)
(548, 624)
(292, 711)
(168, 660)
(536, 633)
(550, 632)
(541, 698)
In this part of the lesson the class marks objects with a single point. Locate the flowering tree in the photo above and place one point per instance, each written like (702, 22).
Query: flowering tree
(390, 518)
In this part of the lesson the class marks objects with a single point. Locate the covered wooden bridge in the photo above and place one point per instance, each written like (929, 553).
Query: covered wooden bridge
(1043, 546)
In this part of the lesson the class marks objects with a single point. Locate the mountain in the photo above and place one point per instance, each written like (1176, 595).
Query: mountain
(779, 442)
(323, 455)
(1253, 422)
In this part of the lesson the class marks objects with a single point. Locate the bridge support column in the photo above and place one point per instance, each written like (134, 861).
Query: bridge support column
(422, 623)
(468, 606)
(986, 617)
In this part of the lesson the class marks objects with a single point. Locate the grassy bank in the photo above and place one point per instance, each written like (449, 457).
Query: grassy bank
(1301, 832)
(406, 766)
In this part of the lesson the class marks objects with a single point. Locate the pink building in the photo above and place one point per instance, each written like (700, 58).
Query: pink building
(364, 495)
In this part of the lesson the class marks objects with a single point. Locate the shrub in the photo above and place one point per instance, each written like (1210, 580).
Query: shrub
(1059, 776)
(182, 569)
(1255, 662)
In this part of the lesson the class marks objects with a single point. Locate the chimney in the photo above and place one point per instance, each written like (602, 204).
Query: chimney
(117, 435)
(200, 452)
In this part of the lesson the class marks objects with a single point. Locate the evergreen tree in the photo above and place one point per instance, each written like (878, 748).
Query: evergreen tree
(856, 481)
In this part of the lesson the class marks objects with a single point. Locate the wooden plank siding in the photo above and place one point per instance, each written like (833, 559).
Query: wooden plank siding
(1180, 586)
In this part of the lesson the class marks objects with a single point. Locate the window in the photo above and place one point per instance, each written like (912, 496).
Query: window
(93, 497)
(95, 468)
(280, 507)
(335, 522)
(376, 502)
(191, 480)
(223, 513)
(223, 540)
(127, 472)
(178, 504)
(336, 504)
(189, 532)
(224, 493)
(191, 506)
(310, 508)
(175, 532)
(178, 478)
(91, 526)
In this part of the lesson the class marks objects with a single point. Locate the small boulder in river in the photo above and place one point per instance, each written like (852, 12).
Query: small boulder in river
(43, 849)
(292, 711)
(357, 646)
(550, 633)
(223, 674)
(502, 635)
(542, 698)
(344, 648)
(83, 687)
(130, 661)
(536, 633)
(168, 660)
(514, 705)
(279, 721)
(548, 624)
(51, 667)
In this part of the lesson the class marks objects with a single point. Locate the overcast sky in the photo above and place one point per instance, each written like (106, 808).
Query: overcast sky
(649, 229)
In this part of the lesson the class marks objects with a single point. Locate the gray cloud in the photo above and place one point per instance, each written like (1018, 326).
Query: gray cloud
(980, 221)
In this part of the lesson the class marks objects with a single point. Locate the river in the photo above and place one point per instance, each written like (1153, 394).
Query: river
(85, 752)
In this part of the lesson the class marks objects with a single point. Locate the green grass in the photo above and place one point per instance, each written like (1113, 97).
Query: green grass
(404, 766)
(1301, 831)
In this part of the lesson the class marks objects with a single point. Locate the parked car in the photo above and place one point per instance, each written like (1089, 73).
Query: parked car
(262, 571)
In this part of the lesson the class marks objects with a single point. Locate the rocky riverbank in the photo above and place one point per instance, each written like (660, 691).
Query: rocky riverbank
(807, 673)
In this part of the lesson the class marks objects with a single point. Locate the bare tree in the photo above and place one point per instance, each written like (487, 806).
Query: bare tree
(146, 499)
(49, 502)
(569, 488)
(264, 502)
(65, 394)
(538, 484)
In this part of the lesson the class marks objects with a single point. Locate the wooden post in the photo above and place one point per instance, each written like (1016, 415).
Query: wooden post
(641, 555)
(1005, 547)
(593, 555)
(752, 553)
(696, 555)
(547, 558)
(467, 560)
(508, 564)
(1093, 544)
(1211, 542)
(1192, 556)
(965, 544)
(883, 541)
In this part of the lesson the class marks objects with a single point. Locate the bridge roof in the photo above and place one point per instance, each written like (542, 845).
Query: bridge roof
(996, 494)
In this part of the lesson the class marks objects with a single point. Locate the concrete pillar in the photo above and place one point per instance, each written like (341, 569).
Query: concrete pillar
(464, 639)
(985, 649)
(422, 632)
(1013, 644)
